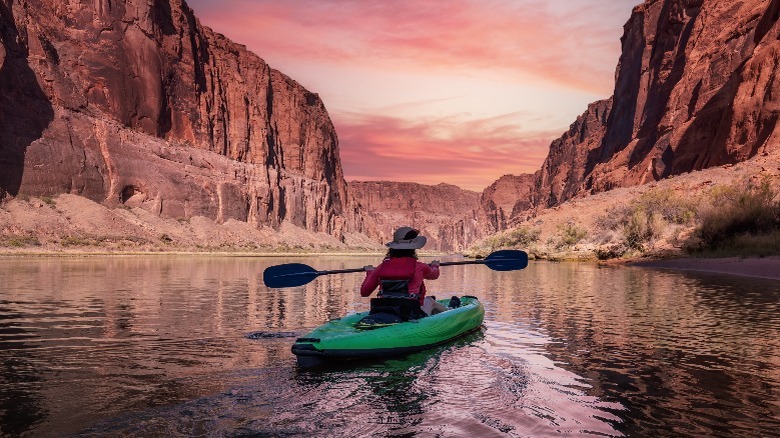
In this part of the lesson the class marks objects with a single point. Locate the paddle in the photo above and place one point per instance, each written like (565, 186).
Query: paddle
(298, 274)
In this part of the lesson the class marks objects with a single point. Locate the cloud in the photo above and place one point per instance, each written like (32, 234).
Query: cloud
(467, 153)
(462, 91)
(563, 42)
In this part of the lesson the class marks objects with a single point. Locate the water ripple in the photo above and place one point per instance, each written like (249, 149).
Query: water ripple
(158, 346)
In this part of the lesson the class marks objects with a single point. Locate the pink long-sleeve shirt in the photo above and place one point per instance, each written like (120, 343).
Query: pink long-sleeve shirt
(401, 268)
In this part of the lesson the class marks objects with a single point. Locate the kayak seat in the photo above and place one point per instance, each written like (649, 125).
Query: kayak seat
(377, 320)
(405, 308)
(387, 311)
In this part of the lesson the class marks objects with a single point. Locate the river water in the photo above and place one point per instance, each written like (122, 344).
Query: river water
(197, 346)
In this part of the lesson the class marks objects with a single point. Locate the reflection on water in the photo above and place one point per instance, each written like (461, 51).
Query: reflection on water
(197, 345)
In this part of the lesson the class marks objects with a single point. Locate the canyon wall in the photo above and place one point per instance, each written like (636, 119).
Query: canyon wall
(696, 86)
(134, 102)
(447, 215)
(506, 199)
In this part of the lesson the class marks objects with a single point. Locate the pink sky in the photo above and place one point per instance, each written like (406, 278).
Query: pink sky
(457, 91)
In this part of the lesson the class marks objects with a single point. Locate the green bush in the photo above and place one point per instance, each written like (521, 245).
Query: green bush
(647, 217)
(667, 205)
(20, 241)
(76, 241)
(570, 234)
(515, 238)
(643, 226)
(737, 212)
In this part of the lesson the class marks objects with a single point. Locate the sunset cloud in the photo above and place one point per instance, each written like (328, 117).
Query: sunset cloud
(572, 44)
(468, 153)
(462, 91)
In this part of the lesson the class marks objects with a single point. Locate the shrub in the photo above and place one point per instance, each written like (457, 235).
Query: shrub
(668, 206)
(21, 241)
(647, 217)
(515, 238)
(570, 234)
(611, 252)
(739, 210)
(642, 227)
(75, 241)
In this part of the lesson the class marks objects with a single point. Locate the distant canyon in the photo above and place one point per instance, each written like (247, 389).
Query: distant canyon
(173, 130)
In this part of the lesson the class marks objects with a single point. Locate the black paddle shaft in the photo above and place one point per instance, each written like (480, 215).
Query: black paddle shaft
(298, 274)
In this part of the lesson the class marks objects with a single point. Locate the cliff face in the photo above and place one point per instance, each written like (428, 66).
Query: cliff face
(134, 102)
(564, 169)
(446, 214)
(697, 86)
(507, 198)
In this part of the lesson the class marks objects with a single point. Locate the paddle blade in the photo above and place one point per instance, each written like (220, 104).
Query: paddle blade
(289, 275)
(507, 260)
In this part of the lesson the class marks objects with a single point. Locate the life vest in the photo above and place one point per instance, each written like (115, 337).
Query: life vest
(397, 285)
(394, 299)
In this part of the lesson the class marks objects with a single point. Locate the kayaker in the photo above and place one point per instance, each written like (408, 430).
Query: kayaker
(400, 275)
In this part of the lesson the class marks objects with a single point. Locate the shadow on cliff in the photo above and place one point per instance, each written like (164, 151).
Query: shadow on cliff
(706, 142)
(673, 32)
(25, 111)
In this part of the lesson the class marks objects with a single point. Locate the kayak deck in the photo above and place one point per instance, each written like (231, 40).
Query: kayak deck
(340, 339)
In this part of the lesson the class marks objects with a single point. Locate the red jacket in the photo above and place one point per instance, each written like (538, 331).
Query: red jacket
(401, 267)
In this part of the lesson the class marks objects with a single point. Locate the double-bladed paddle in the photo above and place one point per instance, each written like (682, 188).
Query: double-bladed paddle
(298, 274)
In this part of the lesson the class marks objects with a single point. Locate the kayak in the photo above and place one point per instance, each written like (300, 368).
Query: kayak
(343, 338)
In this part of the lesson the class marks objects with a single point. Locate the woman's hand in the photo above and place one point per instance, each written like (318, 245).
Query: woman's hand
(434, 264)
(368, 268)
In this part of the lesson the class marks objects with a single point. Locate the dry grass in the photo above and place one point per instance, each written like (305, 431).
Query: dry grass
(510, 239)
(738, 218)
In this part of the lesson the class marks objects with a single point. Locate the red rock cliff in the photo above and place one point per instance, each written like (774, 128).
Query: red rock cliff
(697, 86)
(446, 214)
(505, 199)
(135, 102)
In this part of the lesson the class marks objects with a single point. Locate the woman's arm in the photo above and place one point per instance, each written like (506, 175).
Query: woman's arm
(370, 283)
(431, 272)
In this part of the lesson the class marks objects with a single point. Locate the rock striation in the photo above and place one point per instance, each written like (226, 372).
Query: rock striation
(448, 215)
(134, 102)
(508, 197)
(696, 86)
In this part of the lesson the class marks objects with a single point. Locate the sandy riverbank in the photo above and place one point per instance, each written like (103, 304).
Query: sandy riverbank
(765, 267)
(6, 253)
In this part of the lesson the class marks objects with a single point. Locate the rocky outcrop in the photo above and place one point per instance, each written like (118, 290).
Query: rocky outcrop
(446, 214)
(134, 102)
(564, 170)
(507, 198)
(697, 86)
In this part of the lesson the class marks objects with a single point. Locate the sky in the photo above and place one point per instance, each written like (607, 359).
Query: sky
(432, 91)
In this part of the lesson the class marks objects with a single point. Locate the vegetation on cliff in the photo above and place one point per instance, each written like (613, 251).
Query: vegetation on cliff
(689, 214)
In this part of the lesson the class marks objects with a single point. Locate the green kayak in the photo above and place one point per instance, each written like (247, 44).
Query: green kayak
(340, 339)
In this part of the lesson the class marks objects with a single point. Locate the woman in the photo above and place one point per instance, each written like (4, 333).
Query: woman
(400, 274)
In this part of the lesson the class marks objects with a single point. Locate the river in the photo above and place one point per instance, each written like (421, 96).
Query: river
(198, 346)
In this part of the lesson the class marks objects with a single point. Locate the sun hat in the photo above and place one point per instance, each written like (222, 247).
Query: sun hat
(407, 238)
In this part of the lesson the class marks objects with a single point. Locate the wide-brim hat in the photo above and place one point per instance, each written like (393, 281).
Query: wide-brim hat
(407, 238)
